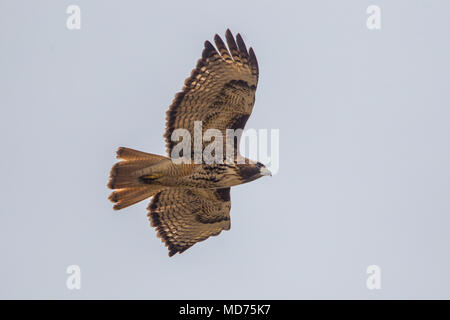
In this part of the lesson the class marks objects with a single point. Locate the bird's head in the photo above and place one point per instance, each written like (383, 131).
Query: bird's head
(252, 171)
(263, 171)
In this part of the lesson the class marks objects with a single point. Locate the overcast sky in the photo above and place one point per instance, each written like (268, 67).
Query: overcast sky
(363, 118)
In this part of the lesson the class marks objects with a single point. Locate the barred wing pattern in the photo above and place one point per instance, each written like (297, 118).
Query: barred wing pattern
(183, 217)
(220, 91)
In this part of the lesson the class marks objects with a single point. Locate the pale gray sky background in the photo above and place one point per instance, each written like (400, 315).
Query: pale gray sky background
(364, 149)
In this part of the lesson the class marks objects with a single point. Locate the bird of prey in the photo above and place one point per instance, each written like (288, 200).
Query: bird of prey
(191, 201)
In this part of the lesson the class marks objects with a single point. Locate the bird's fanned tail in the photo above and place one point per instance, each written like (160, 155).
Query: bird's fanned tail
(126, 177)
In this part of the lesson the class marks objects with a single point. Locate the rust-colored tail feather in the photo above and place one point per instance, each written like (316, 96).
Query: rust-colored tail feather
(125, 177)
(128, 196)
(131, 154)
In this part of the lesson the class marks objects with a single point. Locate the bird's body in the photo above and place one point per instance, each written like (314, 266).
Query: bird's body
(211, 176)
(191, 200)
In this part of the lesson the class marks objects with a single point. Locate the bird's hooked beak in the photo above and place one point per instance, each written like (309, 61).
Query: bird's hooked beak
(265, 172)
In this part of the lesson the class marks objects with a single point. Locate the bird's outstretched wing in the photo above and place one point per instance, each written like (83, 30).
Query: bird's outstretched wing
(220, 91)
(183, 217)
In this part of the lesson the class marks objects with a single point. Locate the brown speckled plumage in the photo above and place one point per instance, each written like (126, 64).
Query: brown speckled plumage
(191, 202)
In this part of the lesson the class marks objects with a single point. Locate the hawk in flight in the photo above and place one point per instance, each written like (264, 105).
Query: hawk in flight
(191, 201)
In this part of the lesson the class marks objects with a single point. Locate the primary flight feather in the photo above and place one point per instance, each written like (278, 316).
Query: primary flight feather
(191, 201)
